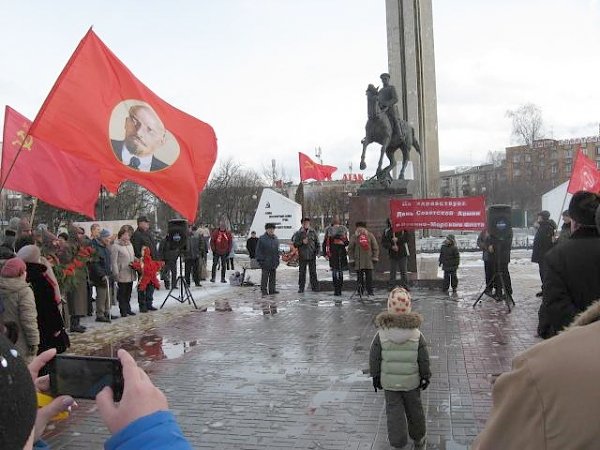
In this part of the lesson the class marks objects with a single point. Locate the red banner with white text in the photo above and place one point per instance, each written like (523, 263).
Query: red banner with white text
(465, 213)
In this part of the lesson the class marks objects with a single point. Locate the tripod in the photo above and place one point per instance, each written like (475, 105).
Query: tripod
(360, 286)
(184, 289)
(498, 274)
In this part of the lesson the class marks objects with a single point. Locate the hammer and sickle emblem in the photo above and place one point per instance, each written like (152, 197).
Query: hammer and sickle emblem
(309, 164)
(23, 140)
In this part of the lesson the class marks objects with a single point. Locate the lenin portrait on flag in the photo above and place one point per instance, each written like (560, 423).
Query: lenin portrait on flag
(139, 139)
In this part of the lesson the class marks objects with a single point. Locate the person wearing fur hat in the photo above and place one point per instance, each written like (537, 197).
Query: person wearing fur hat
(542, 242)
(399, 364)
(19, 304)
(449, 261)
(571, 281)
(363, 254)
(549, 399)
(49, 320)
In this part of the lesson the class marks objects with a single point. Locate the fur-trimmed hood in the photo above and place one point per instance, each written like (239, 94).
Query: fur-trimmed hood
(590, 315)
(408, 321)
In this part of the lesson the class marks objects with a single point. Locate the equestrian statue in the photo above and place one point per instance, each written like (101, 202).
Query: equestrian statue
(384, 127)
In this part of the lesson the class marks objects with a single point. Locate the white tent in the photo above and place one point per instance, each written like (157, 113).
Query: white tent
(275, 208)
(556, 201)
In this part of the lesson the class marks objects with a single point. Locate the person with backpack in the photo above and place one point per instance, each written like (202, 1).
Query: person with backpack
(363, 254)
(307, 243)
(221, 243)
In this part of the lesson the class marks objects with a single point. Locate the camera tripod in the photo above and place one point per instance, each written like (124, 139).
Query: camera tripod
(505, 295)
(360, 287)
(185, 294)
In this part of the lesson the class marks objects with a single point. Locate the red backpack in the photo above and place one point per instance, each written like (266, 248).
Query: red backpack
(222, 242)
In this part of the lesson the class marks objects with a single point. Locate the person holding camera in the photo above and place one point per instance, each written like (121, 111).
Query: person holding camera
(221, 243)
(399, 364)
(363, 254)
(122, 257)
(542, 242)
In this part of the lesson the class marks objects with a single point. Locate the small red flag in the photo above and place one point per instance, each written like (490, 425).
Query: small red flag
(44, 171)
(310, 169)
(98, 110)
(585, 175)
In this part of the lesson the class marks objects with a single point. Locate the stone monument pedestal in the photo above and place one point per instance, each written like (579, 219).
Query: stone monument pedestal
(372, 205)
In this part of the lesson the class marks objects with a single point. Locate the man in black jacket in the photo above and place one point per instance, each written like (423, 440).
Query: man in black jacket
(307, 243)
(251, 244)
(143, 238)
(397, 246)
(571, 281)
(542, 242)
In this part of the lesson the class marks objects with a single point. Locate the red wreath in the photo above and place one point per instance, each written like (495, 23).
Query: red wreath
(147, 268)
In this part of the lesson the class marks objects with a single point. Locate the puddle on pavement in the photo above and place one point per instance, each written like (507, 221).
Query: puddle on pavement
(324, 397)
(150, 347)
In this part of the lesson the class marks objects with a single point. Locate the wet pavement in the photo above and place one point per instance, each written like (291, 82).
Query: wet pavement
(296, 379)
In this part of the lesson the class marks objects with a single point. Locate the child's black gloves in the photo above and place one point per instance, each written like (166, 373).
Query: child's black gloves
(377, 382)
(424, 383)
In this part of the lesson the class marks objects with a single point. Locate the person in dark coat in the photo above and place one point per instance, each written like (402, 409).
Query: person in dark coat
(100, 272)
(571, 281)
(194, 251)
(307, 243)
(565, 229)
(251, 244)
(397, 246)
(49, 320)
(449, 261)
(483, 242)
(267, 256)
(169, 253)
(542, 242)
(142, 237)
(334, 249)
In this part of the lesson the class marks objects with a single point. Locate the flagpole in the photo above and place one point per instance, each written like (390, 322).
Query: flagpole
(33, 210)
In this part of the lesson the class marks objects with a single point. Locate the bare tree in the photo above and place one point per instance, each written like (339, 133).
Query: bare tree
(299, 197)
(231, 194)
(527, 123)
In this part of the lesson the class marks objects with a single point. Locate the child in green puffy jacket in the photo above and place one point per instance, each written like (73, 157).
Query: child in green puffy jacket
(399, 364)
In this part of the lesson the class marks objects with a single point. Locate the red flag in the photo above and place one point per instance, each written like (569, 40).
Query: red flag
(310, 169)
(585, 175)
(98, 110)
(44, 171)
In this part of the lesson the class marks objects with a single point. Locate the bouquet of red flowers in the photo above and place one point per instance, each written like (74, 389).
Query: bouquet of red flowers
(70, 274)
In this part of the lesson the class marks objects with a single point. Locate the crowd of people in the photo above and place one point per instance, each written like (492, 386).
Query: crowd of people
(35, 315)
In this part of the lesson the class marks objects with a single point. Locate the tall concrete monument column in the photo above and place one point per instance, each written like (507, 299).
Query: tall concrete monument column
(412, 69)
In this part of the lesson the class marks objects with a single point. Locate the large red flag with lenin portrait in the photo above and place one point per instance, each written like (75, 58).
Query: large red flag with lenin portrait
(39, 169)
(99, 111)
(585, 175)
(310, 169)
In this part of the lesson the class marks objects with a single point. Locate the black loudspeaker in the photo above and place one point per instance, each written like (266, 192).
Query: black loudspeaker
(499, 221)
(178, 233)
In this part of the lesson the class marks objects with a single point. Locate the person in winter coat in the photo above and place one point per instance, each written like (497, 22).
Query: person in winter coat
(169, 252)
(194, 252)
(100, 272)
(122, 257)
(307, 243)
(565, 229)
(19, 307)
(542, 242)
(221, 243)
(78, 298)
(49, 320)
(363, 254)
(397, 246)
(142, 237)
(334, 249)
(549, 399)
(267, 256)
(449, 261)
(571, 281)
(483, 243)
(251, 244)
(140, 421)
(399, 364)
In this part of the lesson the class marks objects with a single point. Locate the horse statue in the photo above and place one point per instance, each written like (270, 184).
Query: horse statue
(379, 129)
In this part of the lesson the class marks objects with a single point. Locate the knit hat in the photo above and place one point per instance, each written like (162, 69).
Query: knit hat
(29, 254)
(18, 407)
(583, 206)
(451, 237)
(105, 233)
(399, 301)
(13, 268)
(544, 214)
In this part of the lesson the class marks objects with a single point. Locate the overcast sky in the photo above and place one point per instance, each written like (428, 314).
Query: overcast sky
(275, 77)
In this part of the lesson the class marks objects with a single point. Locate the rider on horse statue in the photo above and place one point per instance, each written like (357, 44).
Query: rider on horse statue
(387, 99)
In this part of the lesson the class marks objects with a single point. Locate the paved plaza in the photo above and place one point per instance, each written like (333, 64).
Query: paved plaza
(296, 379)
